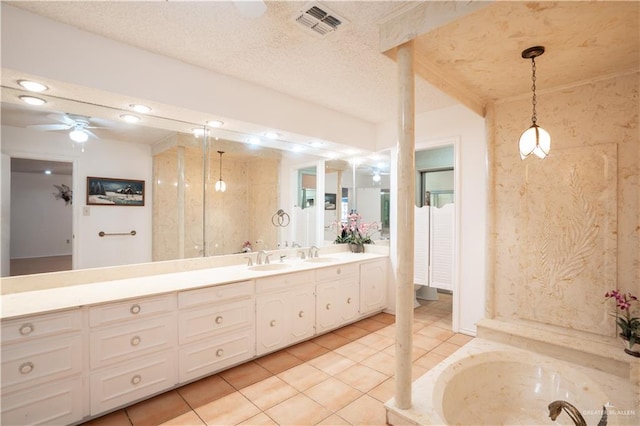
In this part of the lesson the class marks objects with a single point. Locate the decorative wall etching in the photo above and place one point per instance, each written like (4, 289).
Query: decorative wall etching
(569, 206)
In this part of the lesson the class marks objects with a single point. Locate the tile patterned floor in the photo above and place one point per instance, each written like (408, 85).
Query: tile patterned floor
(341, 378)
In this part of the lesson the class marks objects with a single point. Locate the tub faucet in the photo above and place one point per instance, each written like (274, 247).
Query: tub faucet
(556, 407)
(313, 252)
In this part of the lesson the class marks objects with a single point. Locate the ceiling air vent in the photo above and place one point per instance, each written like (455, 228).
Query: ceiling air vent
(319, 18)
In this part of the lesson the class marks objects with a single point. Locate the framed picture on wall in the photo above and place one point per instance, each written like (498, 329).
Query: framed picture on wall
(103, 191)
(329, 201)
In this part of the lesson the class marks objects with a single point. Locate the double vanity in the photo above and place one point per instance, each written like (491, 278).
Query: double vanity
(75, 352)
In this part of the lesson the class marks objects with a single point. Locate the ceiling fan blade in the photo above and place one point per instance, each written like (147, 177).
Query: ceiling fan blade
(90, 133)
(62, 118)
(50, 127)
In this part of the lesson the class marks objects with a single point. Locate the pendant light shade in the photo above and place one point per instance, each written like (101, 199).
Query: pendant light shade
(221, 186)
(534, 140)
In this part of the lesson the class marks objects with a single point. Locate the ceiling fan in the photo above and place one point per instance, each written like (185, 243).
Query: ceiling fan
(78, 124)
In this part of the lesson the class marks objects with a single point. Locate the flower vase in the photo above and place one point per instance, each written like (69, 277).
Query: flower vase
(356, 248)
(628, 350)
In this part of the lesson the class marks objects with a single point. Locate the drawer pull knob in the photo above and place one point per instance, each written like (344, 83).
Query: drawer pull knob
(272, 323)
(328, 306)
(26, 329)
(135, 309)
(348, 301)
(219, 352)
(301, 314)
(26, 368)
(219, 320)
(136, 379)
(135, 340)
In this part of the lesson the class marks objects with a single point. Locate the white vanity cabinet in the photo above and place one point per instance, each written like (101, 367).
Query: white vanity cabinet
(285, 310)
(132, 350)
(373, 286)
(42, 360)
(337, 296)
(216, 328)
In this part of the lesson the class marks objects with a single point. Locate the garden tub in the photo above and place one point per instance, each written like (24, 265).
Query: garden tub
(489, 383)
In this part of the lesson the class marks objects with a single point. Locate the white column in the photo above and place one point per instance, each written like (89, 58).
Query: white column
(404, 237)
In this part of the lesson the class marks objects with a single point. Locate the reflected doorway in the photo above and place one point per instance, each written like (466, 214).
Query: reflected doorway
(41, 231)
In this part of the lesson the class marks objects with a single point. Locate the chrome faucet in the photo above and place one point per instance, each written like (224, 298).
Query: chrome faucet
(295, 245)
(313, 252)
(259, 258)
(249, 260)
(556, 407)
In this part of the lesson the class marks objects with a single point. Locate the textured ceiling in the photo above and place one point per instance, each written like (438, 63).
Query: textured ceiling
(584, 40)
(478, 56)
(343, 71)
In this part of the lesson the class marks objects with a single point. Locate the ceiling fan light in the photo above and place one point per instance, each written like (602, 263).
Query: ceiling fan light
(32, 100)
(32, 86)
(78, 135)
(376, 177)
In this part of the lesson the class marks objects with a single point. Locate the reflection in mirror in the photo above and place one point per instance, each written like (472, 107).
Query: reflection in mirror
(360, 185)
(184, 217)
(304, 209)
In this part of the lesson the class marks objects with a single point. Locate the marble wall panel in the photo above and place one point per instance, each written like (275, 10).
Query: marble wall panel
(595, 152)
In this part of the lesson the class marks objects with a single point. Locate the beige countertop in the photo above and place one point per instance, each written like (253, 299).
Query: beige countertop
(59, 298)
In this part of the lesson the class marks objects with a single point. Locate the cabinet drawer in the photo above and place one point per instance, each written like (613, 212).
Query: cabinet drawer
(57, 403)
(41, 326)
(213, 355)
(130, 381)
(137, 338)
(286, 281)
(131, 309)
(50, 358)
(218, 293)
(338, 271)
(211, 320)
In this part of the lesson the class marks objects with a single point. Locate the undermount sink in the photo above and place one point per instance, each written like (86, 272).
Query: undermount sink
(321, 259)
(270, 267)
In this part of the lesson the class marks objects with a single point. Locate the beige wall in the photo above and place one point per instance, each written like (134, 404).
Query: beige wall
(566, 228)
(242, 213)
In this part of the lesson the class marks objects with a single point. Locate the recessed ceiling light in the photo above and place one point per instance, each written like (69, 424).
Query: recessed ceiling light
(271, 135)
(32, 86)
(316, 144)
(198, 131)
(47, 172)
(215, 123)
(142, 109)
(298, 148)
(254, 141)
(130, 118)
(32, 100)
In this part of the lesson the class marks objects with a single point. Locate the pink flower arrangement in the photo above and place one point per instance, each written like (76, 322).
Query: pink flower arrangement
(355, 231)
(629, 326)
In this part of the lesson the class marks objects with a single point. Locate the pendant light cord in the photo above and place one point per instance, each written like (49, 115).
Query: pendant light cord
(534, 116)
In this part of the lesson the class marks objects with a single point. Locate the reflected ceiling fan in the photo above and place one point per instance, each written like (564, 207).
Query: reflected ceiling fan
(78, 125)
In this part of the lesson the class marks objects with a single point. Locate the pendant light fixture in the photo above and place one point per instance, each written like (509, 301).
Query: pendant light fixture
(534, 140)
(221, 186)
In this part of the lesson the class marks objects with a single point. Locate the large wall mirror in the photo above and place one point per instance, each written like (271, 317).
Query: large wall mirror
(183, 215)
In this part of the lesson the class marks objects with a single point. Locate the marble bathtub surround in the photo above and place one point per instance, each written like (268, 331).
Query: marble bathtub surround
(502, 384)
